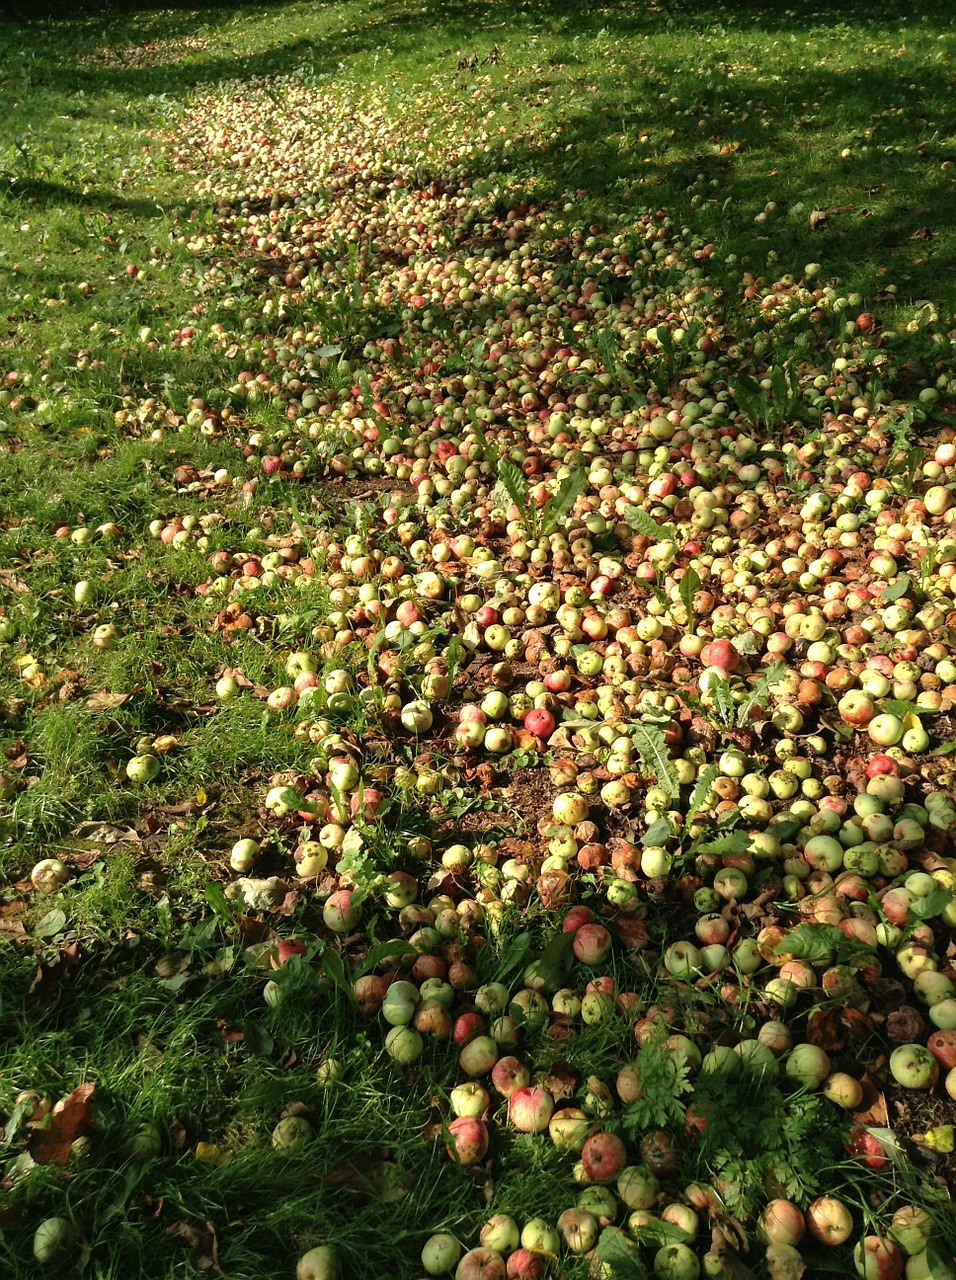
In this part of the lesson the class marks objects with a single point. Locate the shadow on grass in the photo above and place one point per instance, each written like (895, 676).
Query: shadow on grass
(726, 137)
(39, 192)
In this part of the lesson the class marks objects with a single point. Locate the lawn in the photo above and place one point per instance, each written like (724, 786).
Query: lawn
(477, 641)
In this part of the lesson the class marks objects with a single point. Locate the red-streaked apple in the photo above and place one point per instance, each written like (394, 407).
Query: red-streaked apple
(467, 1140)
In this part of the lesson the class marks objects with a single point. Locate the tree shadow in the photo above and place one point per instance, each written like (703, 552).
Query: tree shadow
(42, 193)
(760, 140)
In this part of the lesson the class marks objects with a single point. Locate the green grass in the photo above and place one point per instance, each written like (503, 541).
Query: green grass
(779, 135)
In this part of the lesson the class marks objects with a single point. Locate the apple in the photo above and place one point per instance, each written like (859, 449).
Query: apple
(501, 1234)
(439, 1253)
(467, 1026)
(318, 1264)
(509, 1074)
(539, 1236)
(843, 1090)
(864, 1147)
(291, 1133)
(911, 1229)
(781, 1222)
(808, 1066)
(576, 917)
(468, 1140)
(530, 1109)
(143, 768)
(53, 1238)
(492, 998)
(470, 1099)
(399, 1003)
(591, 944)
(877, 1259)
(404, 1044)
(913, 1066)
(603, 1156)
(942, 1045)
(829, 1220)
(478, 1056)
(568, 1129)
(433, 1019)
(579, 1230)
(601, 1201)
(481, 1264)
(676, 1262)
(523, 1264)
(638, 1187)
(341, 914)
(682, 960)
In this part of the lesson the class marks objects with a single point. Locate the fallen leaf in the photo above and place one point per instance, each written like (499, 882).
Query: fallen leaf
(872, 1110)
(69, 1120)
(202, 1239)
(561, 1081)
(103, 700)
(104, 833)
(48, 977)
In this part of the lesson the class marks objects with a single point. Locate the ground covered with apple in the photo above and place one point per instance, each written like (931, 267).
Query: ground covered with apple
(477, 662)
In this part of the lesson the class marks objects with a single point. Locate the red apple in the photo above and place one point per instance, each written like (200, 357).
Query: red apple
(530, 1109)
(523, 1264)
(603, 1157)
(942, 1045)
(877, 1259)
(591, 944)
(509, 1074)
(467, 1026)
(864, 1147)
(468, 1140)
(481, 1264)
(576, 917)
(286, 948)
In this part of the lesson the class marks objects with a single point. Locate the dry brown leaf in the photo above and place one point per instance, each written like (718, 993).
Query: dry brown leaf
(69, 1120)
(49, 976)
(103, 700)
(872, 1110)
(201, 1238)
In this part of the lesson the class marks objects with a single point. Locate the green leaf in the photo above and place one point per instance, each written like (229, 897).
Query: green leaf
(658, 832)
(642, 523)
(654, 752)
(220, 904)
(758, 694)
(721, 695)
(53, 922)
(558, 506)
(942, 1265)
(811, 942)
(514, 957)
(786, 828)
(933, 904)
(334, 970)
(688, 588)
(899, 707)
(396, 949)
(727, 846)
(619, 1254)
(257, 1039)
(896, 590)
(328, 352)
(705, 780)
(515, 484)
